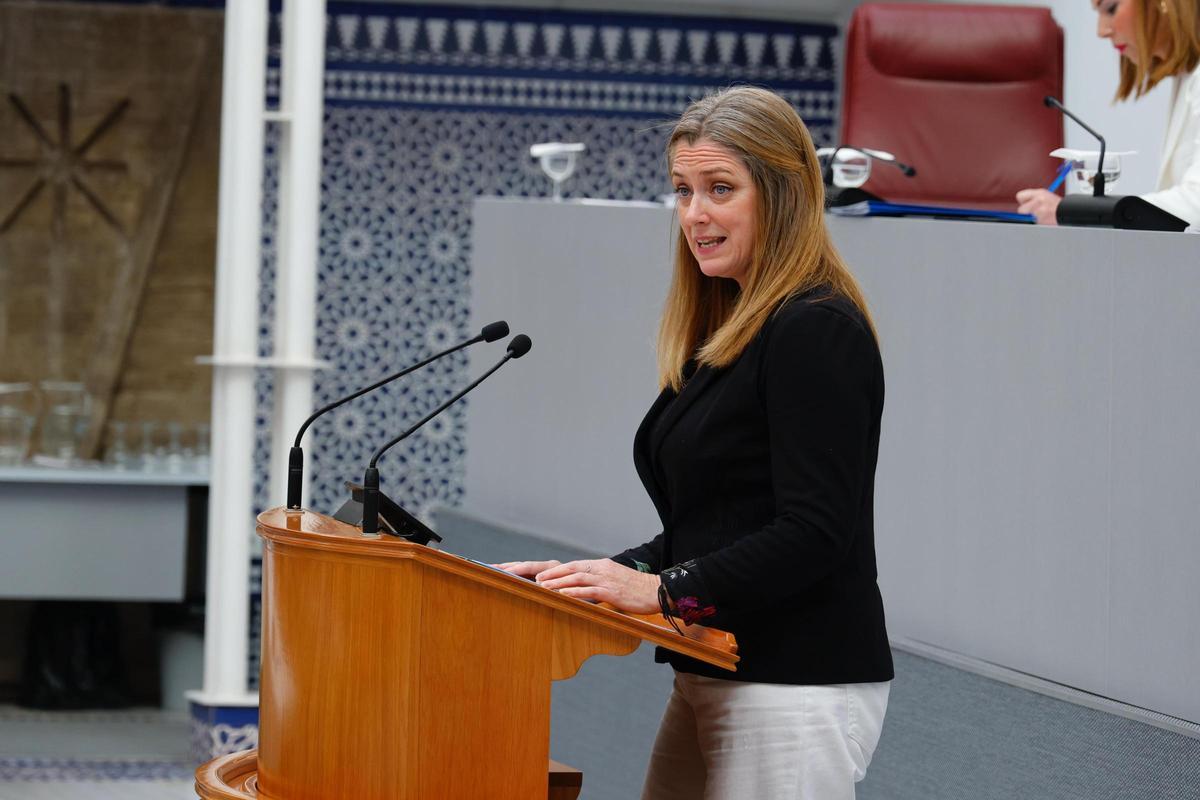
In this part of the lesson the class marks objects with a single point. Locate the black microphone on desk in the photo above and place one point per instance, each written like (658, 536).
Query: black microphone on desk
(1109, 211)
(372, 498)
(489, 333)
(1098, 184)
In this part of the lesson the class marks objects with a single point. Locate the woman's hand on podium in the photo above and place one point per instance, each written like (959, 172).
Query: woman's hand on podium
(1042, 204)
(604, 581)
(601, 580)
(526, 569)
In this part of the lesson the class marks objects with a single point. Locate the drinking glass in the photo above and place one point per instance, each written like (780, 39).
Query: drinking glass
(116, 453)
(174, 453)
(18, 413)
(200, 453)
(851, 169)
(557, 160)
(149, 451)
(67, 408)
(58, 433)
(16, 426)
(1083, 171)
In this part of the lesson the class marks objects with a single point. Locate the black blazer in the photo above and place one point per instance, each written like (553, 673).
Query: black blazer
(763, 476)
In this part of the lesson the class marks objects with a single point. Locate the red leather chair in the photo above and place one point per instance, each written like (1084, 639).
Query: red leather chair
(955, 91)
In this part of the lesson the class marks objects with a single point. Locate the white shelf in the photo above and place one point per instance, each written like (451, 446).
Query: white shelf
(100, 474)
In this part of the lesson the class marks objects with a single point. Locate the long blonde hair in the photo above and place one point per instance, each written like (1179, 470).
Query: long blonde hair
(711, 319)
(1175, 21)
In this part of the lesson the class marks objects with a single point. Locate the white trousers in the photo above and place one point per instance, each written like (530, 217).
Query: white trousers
(728, 740)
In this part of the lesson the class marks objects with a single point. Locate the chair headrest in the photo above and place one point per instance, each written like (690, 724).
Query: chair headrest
(965, 44)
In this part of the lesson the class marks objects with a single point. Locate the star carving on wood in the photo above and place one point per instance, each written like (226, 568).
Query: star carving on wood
(63, 165)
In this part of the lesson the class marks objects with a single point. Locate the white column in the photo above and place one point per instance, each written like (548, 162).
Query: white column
(301, 117)
(231, 488)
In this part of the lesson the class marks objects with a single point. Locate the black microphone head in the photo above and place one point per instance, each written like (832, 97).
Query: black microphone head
(519, 345)
(494, 331)
(909, 171)
(1049, 102)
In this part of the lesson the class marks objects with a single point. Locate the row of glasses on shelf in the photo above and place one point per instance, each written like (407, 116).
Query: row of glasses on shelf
(58, 414)
(152, 446)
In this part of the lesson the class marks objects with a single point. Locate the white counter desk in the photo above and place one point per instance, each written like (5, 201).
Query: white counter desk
(1037, 502)
(93, 533)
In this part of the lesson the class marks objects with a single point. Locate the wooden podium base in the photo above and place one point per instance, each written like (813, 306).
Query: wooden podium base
(235, 777)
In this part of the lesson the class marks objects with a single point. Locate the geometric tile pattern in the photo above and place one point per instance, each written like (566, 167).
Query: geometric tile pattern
(394, 276)
(510, 40)
(218, 730)
(13, 770)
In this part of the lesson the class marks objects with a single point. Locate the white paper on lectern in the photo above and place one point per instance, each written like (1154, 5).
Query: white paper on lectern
(1071, 154)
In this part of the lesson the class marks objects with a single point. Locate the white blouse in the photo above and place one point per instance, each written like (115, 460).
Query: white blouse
(1179, 172)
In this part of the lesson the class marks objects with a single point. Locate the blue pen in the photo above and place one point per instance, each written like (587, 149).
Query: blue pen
(1063, 171)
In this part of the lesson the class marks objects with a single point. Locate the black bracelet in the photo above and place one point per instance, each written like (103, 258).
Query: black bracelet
(687, 589)
(664, 604)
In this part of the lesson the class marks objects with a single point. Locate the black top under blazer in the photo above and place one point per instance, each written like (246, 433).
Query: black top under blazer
(763, 475)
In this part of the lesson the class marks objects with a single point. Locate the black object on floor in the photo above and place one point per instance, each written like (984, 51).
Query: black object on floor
(73, 657)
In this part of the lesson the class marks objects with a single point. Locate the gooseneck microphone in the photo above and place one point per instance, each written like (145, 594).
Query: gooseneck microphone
(1098, 184)
(489, 333)
(517, 347)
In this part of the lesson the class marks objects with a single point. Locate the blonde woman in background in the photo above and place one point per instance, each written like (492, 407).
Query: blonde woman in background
(1156, 39)
(759, 455)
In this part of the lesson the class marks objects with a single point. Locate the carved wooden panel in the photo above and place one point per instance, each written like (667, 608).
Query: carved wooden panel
(109, 130)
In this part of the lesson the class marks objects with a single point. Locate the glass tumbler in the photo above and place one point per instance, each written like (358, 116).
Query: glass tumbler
(67, 409)
(116, 453)
(16, 426)
(1084, 172)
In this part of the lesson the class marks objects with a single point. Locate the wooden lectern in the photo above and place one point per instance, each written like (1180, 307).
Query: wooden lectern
(392, 670)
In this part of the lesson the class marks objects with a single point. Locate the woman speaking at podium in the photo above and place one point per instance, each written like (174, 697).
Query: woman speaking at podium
(1156, 39)
(759, 455)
